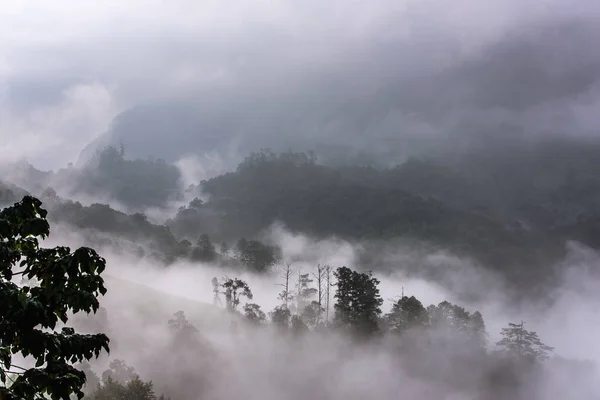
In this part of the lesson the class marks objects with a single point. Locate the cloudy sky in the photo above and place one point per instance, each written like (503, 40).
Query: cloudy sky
(373, 68)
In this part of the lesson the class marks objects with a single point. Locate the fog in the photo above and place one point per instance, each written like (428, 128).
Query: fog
(378, 76)
(203, 84)
(262, 363)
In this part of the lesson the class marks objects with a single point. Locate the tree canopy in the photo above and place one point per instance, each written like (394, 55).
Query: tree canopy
(59, 282)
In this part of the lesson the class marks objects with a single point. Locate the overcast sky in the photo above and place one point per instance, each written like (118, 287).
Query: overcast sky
(378, 67)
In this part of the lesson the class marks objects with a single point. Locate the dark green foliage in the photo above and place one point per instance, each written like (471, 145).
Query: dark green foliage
(522, 345)
(407, 313)
(29, 316)
(358, 303)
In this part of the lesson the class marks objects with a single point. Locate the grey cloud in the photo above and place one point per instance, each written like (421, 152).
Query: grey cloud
(365, 74)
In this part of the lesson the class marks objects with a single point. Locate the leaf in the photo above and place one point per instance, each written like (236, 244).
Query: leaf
(64, 288)
(23, 300)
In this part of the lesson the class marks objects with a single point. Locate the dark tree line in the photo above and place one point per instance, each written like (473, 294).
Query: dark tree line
(357, 313)
(486, 208)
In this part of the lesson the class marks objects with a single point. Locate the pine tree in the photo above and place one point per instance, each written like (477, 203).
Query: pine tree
(522, 345)
(407, 313)
(358, 304)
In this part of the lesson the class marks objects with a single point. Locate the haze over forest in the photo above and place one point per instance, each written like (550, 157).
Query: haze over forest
(336, 200)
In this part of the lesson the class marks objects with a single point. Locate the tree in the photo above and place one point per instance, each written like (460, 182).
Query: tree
(205, 249)
(180, 325)
(196, 204)
(358, 302)
(119, 372)
(29, 315)
(254, 314)
(240, 246)
(285, 294)
(91, 379)
(280, 317)
(305, 292)
(477, 331)
(234, 289)
(298, 326)
(407, 313)
(321, 278)
(224, 250)
(522, 345)
(256, 255)
(134, 389)
(456, 322)
(311, 313)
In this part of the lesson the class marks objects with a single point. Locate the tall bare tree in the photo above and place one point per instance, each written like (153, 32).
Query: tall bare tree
(285, 294)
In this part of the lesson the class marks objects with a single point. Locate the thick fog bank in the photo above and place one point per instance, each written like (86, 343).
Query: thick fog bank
(231, 357)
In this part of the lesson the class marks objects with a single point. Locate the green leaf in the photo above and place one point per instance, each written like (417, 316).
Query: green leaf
(23, 300)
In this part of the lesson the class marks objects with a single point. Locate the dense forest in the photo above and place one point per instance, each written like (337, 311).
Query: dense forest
(512, 209)
(443, 345)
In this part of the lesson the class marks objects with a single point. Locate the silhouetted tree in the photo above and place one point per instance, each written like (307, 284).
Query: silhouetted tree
(205, 250)
(257, 256)
(234, 289)
(304, 292)
(407, 313)
(522, 345)
(66, 282)
(358, 302)
(285, 294)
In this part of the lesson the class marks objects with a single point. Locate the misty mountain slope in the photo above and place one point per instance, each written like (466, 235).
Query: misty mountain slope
(353, 203)
(151, 303)
(135, 184)
(100, 225)
(135, 307)
(525, 82)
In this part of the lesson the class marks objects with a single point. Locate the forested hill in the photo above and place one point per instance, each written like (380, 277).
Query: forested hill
(511, 208)
(360, 203)
(551, 189)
